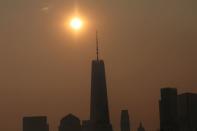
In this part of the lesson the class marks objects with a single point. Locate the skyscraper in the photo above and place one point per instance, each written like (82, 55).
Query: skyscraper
(37, 123)
(178, 112)
(168, 109)
(125, 122)
(187, 112)
(99, 111)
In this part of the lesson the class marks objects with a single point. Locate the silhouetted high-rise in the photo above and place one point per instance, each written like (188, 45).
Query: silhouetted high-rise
(187, 112)
(125, 122)
(168, 109)
(178, 112)
(70, 123)
(37, 123)
(141, 128)
(99, 111)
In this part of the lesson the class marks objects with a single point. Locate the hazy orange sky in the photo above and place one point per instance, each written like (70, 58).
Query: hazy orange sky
(45, 69)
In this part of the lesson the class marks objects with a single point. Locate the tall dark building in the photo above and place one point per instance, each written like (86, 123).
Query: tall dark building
(187, 112)
(141, 128)
(70, 123)
(37, 123)
(168, 109)
(125, 122)
(99, 111)
(178, 112)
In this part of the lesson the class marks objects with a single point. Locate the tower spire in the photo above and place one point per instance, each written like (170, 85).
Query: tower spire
(97, 46)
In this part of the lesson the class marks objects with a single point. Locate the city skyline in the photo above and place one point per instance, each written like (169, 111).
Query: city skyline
(146, 45)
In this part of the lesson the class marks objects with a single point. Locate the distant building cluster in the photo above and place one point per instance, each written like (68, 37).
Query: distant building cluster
(177, 112)
(99, 111)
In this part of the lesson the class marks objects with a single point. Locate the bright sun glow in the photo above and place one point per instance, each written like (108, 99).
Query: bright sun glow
(76, 23)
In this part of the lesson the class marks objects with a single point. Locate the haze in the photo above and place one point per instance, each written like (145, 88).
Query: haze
(44, 68)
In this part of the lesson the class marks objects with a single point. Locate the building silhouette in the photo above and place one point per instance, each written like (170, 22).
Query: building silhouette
(141, 128)
(168, 109)
(70, 123)
(36, 123)
(125, 122)
(187, 112)
(178, 112)
(99, 111)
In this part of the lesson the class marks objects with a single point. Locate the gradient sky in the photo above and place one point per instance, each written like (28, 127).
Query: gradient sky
(45, 69)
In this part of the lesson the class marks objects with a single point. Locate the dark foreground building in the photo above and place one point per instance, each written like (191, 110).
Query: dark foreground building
(178, 112)
(37, 123)
(168, 110)
(99, 110)
(125, 122)
(187, 112)
(70, 123)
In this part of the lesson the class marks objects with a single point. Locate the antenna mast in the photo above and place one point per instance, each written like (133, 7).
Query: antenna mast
(97, 46)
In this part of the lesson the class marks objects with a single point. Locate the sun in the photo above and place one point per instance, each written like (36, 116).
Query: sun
(76, 23)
